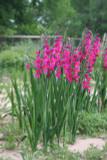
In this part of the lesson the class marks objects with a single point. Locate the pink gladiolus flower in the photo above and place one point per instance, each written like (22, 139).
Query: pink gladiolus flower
(38, 72)
(37, 62)
(104, 57)
(59, 37)
(27, 65)
(37, 52)
(85, 85)
(48, 74)
(68, 47)
(59, 56)
(87, 77)
(58, 72)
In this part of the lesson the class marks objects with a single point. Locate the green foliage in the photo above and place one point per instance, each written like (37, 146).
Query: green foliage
(57, 14)
(10, 145)
(60, 153)
(7, 31)
(93, 153)
(105, 147)
(38, 113)
(87, 16)
(98, 21)
(13, 13)
(75, 156)
(27, 17)
(24, 153)
(13, 58)
(1, 88)
(31, 29)
(10, 133)
(9, 158)
(92, 123)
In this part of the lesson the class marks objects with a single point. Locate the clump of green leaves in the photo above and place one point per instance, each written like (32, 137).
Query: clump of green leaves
(92, 123)
(93, 153)
(9, 145)
(75, 156)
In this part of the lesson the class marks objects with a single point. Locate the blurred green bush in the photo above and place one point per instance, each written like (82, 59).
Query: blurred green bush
(92, 123)
(13, 57)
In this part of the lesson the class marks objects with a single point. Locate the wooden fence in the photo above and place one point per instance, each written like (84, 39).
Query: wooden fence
(36, 37)
(31, 37)
(41, 37)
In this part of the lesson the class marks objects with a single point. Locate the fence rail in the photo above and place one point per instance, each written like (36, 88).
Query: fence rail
(103, 42)
(20, 36)
(33, 36)
(72, 39)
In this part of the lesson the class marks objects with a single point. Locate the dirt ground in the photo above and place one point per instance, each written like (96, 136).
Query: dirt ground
(80, 145)
(13, 154)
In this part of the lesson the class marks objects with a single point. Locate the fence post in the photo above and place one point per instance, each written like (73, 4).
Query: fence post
(105, 40)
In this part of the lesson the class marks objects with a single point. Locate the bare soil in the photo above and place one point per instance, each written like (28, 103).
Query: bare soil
(80, 145)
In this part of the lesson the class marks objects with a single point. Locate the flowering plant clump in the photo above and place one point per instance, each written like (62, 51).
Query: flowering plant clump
(60, 59)
(54, 91)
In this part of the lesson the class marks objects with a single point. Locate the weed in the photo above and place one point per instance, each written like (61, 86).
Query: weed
(9, 146)
(93, 153)
(57, 152)
(75, 156)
